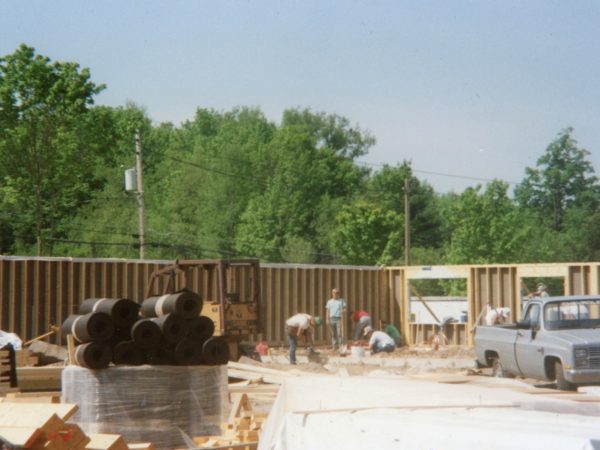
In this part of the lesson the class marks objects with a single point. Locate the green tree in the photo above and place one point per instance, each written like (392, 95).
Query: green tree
(366, 234)
(386, 188)
(212, 168)
(312, 168)
(44, 137)
(563, 178)
(486, 227)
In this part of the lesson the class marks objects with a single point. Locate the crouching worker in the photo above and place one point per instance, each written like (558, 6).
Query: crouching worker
(379, 341)
(300, 325)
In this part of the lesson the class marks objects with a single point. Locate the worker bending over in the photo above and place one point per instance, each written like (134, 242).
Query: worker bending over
(300, 325)
(361, 319)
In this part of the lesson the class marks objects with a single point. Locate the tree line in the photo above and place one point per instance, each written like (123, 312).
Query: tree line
(235, 184)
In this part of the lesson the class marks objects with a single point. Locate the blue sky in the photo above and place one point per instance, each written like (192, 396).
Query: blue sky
(474, 90)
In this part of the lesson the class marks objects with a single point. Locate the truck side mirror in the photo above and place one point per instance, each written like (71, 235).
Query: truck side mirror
(524, 324)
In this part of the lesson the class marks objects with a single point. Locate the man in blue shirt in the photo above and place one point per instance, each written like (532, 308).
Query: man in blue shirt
(336, 306)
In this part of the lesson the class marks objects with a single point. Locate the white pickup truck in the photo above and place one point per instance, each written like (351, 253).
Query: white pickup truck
(557, 340)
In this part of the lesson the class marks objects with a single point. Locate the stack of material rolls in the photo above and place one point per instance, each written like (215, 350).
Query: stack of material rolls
(163, 330)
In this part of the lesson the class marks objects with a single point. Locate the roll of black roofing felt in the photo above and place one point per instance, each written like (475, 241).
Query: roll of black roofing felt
(93, 355)
(187, 352)
(200, 328)
(172, 327)
(123, 311)
(127, 352)
(146, 334)
(215, 351)
(161, 355)
(95, 326)
(121, 334)
(186, 304)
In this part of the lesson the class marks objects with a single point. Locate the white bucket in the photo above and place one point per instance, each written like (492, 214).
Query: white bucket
(357, 352)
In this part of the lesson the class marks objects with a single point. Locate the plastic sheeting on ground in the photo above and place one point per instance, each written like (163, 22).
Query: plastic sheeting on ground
(324, 412)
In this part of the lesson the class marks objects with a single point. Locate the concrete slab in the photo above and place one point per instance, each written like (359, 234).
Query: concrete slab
(324, 412)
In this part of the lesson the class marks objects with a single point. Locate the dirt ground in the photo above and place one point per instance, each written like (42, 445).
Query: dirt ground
(404, 360)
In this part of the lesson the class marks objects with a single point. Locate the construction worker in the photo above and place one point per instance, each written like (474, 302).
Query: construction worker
(336, 307)
(360, 319)
(300, 325)
(392, 332)
(496, 316)
(541, 291)
(379, 341)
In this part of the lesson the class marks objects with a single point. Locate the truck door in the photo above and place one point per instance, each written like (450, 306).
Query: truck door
(529, 353)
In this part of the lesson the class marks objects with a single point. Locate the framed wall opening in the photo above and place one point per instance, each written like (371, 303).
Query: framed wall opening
(437, 300)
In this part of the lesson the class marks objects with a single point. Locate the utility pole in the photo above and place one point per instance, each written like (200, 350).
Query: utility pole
(140, 189)
(406, 222)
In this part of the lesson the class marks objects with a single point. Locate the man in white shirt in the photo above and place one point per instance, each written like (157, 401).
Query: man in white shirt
(496, 316)
(379, 341)
(300, 324)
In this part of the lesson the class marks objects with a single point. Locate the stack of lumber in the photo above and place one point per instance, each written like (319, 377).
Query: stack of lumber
(8, 375)
(43, 378)
(25, 358)
(40, 426)
(44, 426)
(241, 431)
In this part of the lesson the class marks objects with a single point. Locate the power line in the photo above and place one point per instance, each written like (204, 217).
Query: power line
(237, 176)
(441, 174)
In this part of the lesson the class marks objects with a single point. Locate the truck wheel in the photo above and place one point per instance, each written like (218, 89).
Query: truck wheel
(561, 382)
(498, 370)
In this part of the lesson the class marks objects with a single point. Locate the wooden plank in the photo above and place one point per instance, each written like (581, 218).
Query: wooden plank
(240, 402)
(20, 436)
(71, 349)
(39, 378)
(141, 446)
(102, 441)
(69, 437)
(30, 414)
(42, 396)
(38, 399)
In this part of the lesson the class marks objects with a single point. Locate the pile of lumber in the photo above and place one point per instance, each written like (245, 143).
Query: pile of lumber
(44, 426)
(8, 374)
(42, 378)
(25, 358)
(241, 431)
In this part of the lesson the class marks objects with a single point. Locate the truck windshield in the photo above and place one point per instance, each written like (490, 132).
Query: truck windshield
(572, 314)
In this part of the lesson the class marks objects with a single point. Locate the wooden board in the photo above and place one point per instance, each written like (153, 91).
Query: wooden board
(141, 446)
(20, 436)
(47, 378)
(101, 441)
(32, 397)
(20, 414)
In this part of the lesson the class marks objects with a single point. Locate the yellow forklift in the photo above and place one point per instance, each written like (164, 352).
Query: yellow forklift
(230, 291)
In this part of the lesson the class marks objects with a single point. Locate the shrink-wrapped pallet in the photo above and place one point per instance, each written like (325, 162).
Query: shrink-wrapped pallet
(160, 404)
